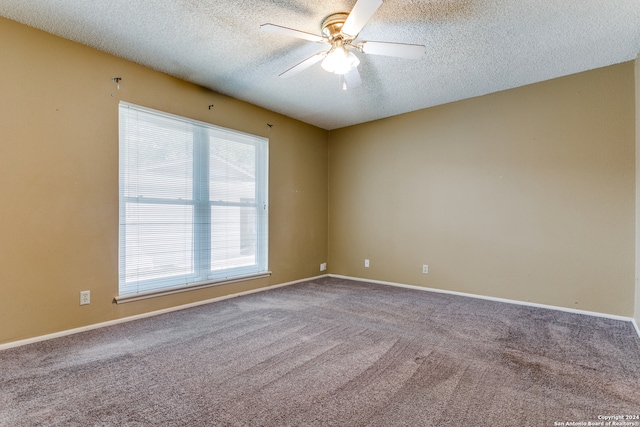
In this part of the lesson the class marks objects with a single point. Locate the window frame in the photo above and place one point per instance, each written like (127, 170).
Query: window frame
(203, 274)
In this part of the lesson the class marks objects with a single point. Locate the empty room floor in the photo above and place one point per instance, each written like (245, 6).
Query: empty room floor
(331, 352)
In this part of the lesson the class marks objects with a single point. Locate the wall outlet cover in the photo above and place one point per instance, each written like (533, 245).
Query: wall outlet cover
(85, 297)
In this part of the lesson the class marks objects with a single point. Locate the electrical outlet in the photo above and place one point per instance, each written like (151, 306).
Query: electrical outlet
(323, 266)
(425, 269)
(366, 263)
(85, 297)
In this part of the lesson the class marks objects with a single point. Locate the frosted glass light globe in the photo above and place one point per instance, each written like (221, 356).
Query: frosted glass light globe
(340, 61)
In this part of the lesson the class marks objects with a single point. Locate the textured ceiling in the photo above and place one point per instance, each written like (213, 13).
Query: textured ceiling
(473, 47)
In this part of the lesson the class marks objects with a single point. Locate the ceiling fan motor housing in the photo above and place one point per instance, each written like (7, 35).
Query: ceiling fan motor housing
(332, 26)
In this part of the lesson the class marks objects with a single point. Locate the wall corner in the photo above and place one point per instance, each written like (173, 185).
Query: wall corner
(637, 169)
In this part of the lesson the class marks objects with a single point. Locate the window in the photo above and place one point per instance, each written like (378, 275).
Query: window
(193, 203)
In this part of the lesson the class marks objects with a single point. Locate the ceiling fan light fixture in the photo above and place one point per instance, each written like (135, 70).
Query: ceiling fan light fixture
(340, 61)
(340, 31)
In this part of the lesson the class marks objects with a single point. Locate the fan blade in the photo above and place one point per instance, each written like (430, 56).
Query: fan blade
(352, 79)
(303, 65)
(400, 50)
(359, 16)
(291, 32)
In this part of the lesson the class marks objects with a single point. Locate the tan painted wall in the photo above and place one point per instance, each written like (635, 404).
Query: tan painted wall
(59, 181)
(637, 111)
(526, 194)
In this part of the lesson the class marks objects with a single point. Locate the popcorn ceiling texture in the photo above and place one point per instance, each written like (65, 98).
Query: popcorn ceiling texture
(474, 47)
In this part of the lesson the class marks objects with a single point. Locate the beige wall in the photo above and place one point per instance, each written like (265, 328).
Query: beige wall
(526, 194)
(59, 175)
(637, 112)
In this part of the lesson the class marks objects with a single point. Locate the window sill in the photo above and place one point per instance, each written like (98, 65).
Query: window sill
(121, 299)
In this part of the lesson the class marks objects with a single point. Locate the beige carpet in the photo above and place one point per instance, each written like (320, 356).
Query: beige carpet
(331, 352)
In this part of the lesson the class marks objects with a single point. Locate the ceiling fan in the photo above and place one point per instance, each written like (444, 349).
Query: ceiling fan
(340, 31)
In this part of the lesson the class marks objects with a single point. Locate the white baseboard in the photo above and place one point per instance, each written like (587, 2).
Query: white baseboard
(145, 315)
(225, 297)
(508, 301)
(635, 325)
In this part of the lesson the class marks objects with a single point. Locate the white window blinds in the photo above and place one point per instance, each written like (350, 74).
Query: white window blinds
(193, 202)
